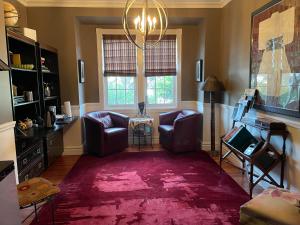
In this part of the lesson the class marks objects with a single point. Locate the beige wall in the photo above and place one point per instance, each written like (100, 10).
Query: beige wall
(59, 28)
(235, 63)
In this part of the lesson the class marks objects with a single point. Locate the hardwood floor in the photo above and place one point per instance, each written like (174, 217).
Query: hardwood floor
(62, 166)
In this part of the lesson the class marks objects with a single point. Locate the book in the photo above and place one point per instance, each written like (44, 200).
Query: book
(242, 139)
(230, 134)
(253, 148)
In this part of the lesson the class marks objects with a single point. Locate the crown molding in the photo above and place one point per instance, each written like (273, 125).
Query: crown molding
(120, 3)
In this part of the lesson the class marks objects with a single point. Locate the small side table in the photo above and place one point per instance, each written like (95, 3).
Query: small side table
(142, 128)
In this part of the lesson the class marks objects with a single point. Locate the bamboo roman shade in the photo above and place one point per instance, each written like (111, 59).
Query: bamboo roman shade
(161, 59)
(119, 56)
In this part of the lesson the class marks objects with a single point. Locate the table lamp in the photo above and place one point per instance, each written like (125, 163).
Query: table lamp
(212, 85)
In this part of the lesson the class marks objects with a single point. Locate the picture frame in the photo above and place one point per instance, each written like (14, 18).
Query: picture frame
(200, 70)
(275, 57)
(81, 71)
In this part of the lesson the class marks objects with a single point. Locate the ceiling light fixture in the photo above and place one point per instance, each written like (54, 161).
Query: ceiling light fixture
(146, 20)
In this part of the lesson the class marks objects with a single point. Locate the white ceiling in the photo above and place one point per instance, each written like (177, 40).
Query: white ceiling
(121, 3)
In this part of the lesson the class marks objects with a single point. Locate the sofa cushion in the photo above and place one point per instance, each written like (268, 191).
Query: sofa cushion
(166, 129)
(114, 131)
(106, 121)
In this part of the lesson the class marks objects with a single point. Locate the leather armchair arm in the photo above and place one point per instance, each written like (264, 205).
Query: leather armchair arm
(187, 128)
(119, 120)
(94, 134)
(168, 117)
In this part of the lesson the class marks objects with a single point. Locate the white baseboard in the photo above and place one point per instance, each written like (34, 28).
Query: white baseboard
(73, 150)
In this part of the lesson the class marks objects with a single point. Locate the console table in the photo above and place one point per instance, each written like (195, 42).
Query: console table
(142, 127)
(267, 157)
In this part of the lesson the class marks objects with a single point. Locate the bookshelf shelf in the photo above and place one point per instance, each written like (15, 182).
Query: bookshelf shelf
(26, 103)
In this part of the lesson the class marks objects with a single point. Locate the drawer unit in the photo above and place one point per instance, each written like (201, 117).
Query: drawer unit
(29, 155)
(33, 170)
(53, 147)
(23, 144)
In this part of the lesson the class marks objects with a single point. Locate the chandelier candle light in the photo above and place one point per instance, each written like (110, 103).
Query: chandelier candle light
(151, 20)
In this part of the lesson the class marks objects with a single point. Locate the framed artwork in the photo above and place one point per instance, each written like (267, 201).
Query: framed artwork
(200, 71)
(81, 71)
(275, 57)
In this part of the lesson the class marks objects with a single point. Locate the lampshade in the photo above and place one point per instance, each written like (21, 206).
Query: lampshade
(211, 84)
(3, 66)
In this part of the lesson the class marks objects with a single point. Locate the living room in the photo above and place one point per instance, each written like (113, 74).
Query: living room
(96, 66)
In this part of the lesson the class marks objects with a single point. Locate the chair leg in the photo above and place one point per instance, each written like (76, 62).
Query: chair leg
(35, 213)
(53, 210)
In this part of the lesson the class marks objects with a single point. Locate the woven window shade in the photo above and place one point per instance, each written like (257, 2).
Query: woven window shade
(119, 56)
(161, 59)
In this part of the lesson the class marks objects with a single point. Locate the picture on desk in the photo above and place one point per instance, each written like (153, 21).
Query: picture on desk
(275, 57)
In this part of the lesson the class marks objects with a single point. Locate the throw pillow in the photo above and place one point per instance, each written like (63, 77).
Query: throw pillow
(107, 122)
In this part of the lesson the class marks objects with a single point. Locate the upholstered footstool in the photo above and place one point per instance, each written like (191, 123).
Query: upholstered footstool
(35, 191)
(273, 207)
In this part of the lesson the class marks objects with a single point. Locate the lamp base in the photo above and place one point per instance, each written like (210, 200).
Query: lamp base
(214, 153)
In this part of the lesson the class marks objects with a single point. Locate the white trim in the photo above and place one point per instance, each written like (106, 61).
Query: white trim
(73, 150)
(7, 126)
(120, 3)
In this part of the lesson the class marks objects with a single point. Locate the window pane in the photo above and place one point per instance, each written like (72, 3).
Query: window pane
(169, 82)
(111, 82)
(120, 91)
(121, 82)
(151, 96)
(130, 97)
(160, 83)
(160, 96)
(151, 82)
(160, 90)
(130, 83)
(111, 97)
(121, 97)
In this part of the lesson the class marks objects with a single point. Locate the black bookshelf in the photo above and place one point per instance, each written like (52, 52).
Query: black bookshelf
(37, 147)
(49, 76)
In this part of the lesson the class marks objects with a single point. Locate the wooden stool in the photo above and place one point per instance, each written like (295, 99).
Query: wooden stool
(35, 191)
(273, 206)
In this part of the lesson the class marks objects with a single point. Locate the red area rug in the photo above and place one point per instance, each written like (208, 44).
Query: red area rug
(147, 188)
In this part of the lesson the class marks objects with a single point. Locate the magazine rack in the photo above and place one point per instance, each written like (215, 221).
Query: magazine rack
(266, 158)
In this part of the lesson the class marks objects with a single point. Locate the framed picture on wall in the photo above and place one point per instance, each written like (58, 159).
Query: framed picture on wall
(199, 71)
(81, 71)
(275, 57)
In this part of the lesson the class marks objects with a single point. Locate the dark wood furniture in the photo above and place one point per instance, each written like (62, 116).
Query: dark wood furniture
(266, 158)
(37, 147)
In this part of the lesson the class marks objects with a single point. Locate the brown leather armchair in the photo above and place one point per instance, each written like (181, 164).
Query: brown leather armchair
(104, 141)
(180, 135)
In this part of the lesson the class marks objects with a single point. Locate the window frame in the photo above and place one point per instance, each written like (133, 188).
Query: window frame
(140, 79)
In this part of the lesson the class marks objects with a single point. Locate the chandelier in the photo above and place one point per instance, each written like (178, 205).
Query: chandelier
(145, 19)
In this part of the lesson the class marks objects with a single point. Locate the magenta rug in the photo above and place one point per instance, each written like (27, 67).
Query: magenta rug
(147, 188)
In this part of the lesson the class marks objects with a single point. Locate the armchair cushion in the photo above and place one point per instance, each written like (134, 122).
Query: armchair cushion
(166, 129)
(107, 122)
(109, 132)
